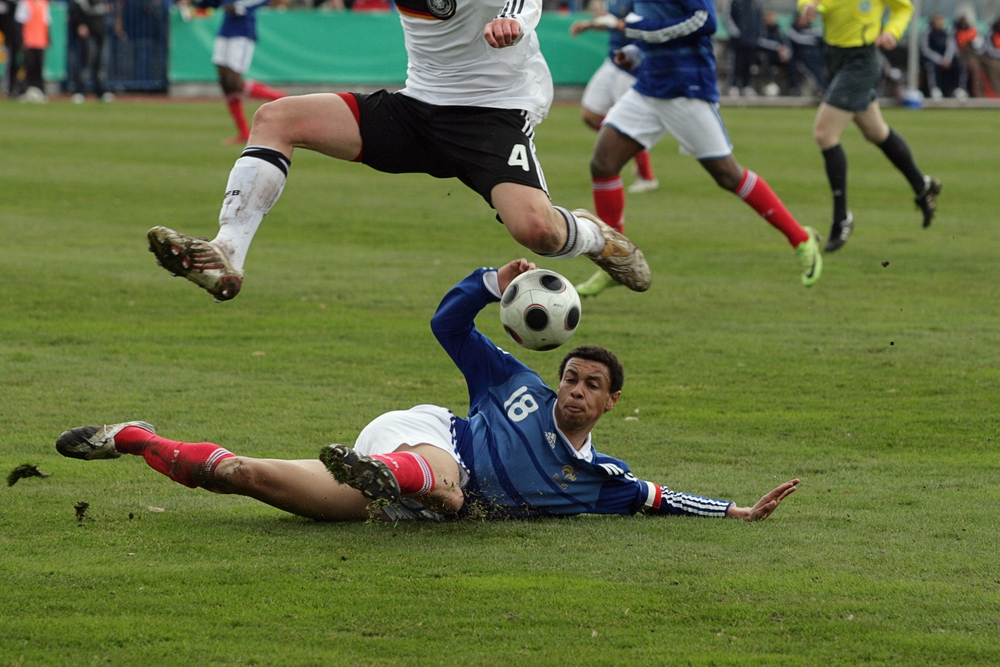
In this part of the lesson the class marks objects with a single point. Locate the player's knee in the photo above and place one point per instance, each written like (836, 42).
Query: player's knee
(450, 499)
(539, 230)
(234, 475)
(272, 114)
(602, 167)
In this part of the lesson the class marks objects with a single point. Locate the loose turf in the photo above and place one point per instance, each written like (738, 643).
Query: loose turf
(878, 388)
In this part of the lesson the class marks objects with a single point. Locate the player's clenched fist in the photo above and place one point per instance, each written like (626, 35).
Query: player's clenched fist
(502, 32)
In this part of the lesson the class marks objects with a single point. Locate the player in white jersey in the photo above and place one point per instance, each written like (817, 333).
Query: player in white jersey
(476, 86)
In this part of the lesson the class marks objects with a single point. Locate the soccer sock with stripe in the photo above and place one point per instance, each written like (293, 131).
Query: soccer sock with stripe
(187, 463)
(755, 191)
(836, 173)
(609, 200)
(254, 185)
(898, 152)
(644, 166)
(412, 471)
(583, 237)
(235, 103)
(259, 91)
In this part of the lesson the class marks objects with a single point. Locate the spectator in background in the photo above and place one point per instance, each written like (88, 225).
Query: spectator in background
(966, 40)
(807, 51)
(11, 30)
(745, 23)
(35, 19)
(88, 20)
(989, 56)
(938, 52)
(775, 51)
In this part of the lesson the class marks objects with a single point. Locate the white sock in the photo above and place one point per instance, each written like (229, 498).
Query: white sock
(583, 237)
(254, 185)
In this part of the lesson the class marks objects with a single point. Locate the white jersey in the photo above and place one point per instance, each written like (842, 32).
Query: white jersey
(450, 63)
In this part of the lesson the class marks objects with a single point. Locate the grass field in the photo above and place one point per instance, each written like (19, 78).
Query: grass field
(878, 388)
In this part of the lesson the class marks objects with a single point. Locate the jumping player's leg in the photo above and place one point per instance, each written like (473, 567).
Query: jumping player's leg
(877, 131)
(325, 123)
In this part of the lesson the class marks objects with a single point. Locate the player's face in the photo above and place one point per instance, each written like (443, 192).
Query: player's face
(584, 394)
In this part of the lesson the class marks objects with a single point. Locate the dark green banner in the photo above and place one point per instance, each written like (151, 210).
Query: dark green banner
(323, 47)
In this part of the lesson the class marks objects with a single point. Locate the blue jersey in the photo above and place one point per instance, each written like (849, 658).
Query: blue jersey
(519, 462)
(676, 41)
(241, 21)
(616, 38)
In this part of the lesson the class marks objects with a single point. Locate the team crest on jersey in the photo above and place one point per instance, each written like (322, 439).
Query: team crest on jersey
(865, 6)
(434, 10)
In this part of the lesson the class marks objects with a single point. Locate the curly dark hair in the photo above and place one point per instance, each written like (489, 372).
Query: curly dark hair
(601, 355)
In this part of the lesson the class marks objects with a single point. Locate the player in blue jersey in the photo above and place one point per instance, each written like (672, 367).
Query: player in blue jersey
(232, 55)
(610, 82)
(676, 93)
(523, 450)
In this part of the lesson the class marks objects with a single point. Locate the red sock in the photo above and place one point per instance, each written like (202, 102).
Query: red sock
(644, 166)
(190, 464)
(755, 191)
(609, 201)
(235, 104)
(412, 471)
(259, 91)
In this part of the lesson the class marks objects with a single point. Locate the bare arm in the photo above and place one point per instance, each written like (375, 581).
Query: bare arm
(765, 505)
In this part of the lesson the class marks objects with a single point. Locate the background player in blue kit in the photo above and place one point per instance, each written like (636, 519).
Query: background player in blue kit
(232, 55)
(676, 92)
(610, 82)
(524, 449)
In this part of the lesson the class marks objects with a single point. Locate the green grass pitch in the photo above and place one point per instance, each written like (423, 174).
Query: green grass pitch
(878, 388)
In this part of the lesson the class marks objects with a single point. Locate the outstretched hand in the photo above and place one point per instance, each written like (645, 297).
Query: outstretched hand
(886, 41)
(507, 273)
(765, 505)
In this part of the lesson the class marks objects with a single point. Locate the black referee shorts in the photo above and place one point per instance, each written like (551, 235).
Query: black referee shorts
(480, 146)
(854, 74)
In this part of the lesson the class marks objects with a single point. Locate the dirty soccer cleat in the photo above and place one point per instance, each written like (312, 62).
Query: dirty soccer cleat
(368, 475)
(596, 284)
(409, 509)
(811, 258)
(621, 259)
(197, 260)
(927, 200)
(839, 233)
(94, 442)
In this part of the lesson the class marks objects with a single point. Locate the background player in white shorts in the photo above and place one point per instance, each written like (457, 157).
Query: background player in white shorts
(525, 449)
(676, 92)
(503, 84)
(232, 55)
(610, 82)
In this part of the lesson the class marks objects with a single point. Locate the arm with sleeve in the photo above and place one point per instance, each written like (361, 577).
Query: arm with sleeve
(698, 19)
(526, 12)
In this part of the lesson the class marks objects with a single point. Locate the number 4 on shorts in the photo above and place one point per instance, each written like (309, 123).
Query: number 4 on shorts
(519, 157)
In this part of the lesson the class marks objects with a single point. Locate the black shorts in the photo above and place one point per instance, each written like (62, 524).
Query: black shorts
(854, 73)
(482, 147)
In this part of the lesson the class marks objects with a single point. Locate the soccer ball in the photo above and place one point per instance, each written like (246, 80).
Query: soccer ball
(772, 89)
(540, 310)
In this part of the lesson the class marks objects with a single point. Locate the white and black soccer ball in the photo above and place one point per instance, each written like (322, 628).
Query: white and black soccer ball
(540, 310)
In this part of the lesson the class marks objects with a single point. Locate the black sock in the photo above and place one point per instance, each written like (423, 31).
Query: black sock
(898, 152)
(836, 172)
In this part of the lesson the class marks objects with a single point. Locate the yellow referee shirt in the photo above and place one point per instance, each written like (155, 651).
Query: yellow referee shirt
(848, 23)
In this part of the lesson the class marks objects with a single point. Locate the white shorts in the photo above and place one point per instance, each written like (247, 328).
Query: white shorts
(236, 53)
(696, 124)
(605, 87)
(420, 425)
